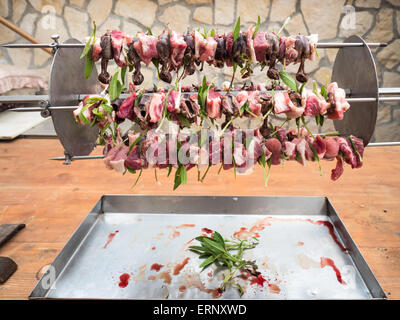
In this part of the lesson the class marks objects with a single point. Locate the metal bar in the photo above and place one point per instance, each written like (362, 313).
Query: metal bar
(23, 99)
(23, 34)
(384, 144)
(389, 91)
(326, 45)
(338, 45)
(34, 109)
(78, 158)
(381, 99)
(94, 157)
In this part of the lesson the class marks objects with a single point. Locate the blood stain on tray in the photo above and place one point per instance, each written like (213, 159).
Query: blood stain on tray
(206, 230)
(110, 238)
(124, 280)
(156, 266)
(193, 280)
(329, 262)
(165, 276)
(180, 266)
(153, 248)
(175, 233)
(331, 231)
(300, 243)
(258, 280)
(141, 274)
(245, 233)
(182, 288)
(305, 262)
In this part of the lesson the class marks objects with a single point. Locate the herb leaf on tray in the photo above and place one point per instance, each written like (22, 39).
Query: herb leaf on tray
(217, 250)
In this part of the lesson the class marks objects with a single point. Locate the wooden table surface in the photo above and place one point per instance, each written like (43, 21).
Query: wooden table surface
(52, 199)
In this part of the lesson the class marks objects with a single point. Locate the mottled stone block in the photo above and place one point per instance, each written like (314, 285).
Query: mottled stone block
(224, 12)
(203, 15)
(383, 30)
(177, 17)
(99, 11)
(143, 11)
(322, 17)
(77, 23)
(56, 4)
(250, 10)
(280, 10)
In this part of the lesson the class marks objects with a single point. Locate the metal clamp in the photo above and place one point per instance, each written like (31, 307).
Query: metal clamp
(55, 43)
(44, 105)
(68, 158)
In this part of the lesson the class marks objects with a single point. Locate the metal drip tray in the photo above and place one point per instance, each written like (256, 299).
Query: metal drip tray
(136, 247)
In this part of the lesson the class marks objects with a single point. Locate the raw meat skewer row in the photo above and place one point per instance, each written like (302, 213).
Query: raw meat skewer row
(174, 50)
(234, 149)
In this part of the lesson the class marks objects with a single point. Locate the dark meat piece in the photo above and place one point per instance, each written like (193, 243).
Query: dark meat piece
(228, 107)
(295, 97)
(106, 55)
(188, 57)
(239, 48)
(116, 105)
(220, 53)
(134, 59)
(271, 55)
(163, 50)
(189, 106)
(139, 112)
(302, 46)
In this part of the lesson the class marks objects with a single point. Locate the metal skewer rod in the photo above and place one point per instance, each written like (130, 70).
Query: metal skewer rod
(78, 158)
(71, 108)
(94, 157)
(326, 45)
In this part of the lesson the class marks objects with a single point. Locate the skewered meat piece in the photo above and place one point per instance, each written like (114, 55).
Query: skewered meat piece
(303, 50)
(146, 47)
(106, 55)
(189, 55)
(163, 51)
(260, 46)
(337, 100)
(178, 48)
(271, 55)
(154, 110)
(213, 104)
(133, 57)
(239, 49)
(220, 53)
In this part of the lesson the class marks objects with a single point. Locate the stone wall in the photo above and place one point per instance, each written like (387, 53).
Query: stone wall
(375, 20)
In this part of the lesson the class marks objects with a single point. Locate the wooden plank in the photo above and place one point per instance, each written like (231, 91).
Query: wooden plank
(53, 199)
